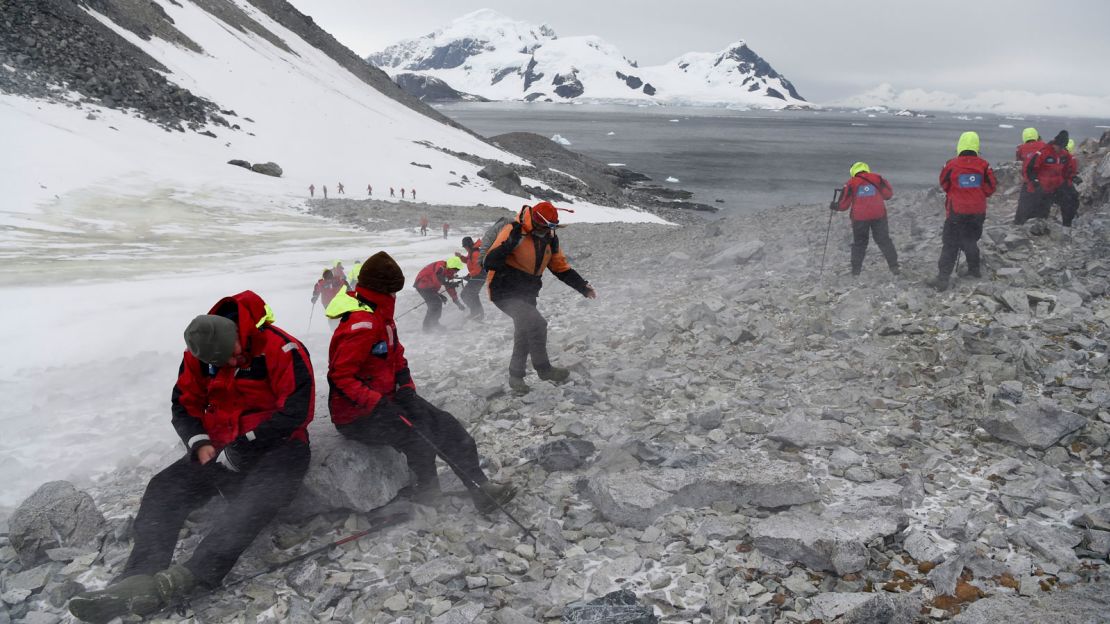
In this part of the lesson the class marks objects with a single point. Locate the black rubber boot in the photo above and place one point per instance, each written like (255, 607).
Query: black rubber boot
(554, 374)
(486, 494)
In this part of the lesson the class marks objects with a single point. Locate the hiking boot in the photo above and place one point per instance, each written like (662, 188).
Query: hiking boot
(517, 385)
(175, 583)
(976, 273)
(554, 374)
(423, 493)
(135, 595)
(488, 492)
(895, 271)
(940, 283)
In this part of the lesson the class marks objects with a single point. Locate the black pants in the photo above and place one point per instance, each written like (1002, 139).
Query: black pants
(441, 428)
(1038, 204)
(529, 335)
(434, 305)
(961, 233)
(472, 296)
(862, 231)
(254, 496)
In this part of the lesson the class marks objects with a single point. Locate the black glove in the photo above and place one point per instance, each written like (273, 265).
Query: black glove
(460, 306)
(387, 410)
(515, 235)
(1077, 180)
(833, 206)
(406, 398)
(1036, 186)
(442, 298)
(314, 298)
(238, 456)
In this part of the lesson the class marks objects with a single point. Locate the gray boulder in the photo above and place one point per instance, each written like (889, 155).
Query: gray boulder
(807, 433)
(348, 475)
(267, 168)
(239, 163)
(637, 498)
(619, 607)
(836, 540)
(56, 515)
(1036, 425)
(740, 253)
(864, 608)
(565, 454)
(504, 179)
(1083, 604)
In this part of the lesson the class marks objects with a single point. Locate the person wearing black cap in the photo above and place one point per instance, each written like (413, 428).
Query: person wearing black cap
(241, 405)
(373, 396)
(1048, 174)
(475, 278)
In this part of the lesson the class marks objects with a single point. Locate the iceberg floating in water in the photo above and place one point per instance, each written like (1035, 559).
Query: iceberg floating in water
(559, 139)
(672, 179)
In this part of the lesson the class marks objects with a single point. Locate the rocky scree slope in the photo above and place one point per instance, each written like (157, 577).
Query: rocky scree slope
(741, 440)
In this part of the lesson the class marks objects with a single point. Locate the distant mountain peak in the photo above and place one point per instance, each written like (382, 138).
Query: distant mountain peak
(497, 57)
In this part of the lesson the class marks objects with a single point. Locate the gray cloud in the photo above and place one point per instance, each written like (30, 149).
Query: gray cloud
(829, 49)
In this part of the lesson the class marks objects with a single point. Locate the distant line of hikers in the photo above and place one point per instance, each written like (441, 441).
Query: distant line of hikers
(1049, 173)
(341, 190)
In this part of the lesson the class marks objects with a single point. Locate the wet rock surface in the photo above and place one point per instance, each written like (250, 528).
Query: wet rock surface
(769, 445)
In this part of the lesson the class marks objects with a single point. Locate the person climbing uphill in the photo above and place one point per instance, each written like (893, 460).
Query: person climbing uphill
(430, 280)
(864, 196)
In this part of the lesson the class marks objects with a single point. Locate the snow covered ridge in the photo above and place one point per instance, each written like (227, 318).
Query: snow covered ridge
(886, 97)
(493, 56)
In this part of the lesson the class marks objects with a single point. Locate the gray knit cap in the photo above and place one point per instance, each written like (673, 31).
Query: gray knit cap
(211, 339)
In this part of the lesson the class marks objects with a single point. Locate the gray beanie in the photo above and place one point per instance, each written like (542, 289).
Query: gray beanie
(211, 339)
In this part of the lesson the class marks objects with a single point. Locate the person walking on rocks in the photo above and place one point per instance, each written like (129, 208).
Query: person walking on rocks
(515, 263)
(1030, 144)
(391, 193)
(242, 403)
(446, 229)
(325, 189)
(369, 191)
(402, 192)
(373, 397)
(312, 190)
(864, 195)
(424, 225)
(438, 275)
(339, 189)
(968, 181)
(412, 194)
(475, 278)
(1048, 174)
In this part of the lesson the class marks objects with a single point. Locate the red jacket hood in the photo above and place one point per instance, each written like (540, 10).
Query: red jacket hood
(383, 304)
(250, 313)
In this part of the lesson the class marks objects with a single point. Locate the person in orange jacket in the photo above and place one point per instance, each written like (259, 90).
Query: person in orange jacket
(475, 278)
(515, 262)
(864, 195)
(438, 275)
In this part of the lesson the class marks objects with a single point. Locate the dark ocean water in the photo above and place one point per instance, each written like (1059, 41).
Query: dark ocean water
(762, 158)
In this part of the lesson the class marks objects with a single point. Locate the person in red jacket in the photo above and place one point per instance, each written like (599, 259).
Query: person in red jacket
(373, 396)
(1048, 175)
(1031, 143)
(968, 181)
(515, 262)
(242, 404)
(327, 287)
(438, 275)
(865, 194)
(475, 278)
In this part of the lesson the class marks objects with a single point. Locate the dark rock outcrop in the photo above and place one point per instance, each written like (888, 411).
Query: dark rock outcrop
(267, 168)
(504, 179)
(430, 89)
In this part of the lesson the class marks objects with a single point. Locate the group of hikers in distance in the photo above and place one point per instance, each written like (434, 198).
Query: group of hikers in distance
(245, 395)
(340, 190)
(1049, 175)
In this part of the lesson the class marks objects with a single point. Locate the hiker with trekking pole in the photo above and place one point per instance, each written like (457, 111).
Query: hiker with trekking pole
(865, 195)
(243, 400)
(373, 396)
(967, 181)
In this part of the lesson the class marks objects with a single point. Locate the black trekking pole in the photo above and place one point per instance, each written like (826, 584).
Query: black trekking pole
(383, 522)
(470, 482)
(413, 308)
(832, 206)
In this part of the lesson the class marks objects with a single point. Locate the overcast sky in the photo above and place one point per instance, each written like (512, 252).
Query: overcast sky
(829, 49)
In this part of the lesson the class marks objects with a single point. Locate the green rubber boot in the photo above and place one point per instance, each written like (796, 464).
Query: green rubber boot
(135, 595)
(487, 493)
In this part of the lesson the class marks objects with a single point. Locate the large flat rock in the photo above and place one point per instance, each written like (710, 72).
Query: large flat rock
(1033, 425)
(348, 475)
(1083, 604)
(636, 498)
(836, 540)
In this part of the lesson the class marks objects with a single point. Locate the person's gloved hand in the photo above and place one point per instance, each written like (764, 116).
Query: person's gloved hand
(387, 410)
(314, 298)
(1077, 180)
(404, 395)
(230, 458)
(515, 234)
(442, 298)
(460, 306)
(1036, 186)
(832, 206)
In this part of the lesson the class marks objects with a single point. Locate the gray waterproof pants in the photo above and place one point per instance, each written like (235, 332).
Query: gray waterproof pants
(529, 335)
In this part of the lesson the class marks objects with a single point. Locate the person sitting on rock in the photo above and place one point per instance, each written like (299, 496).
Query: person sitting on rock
(1047, 174)
(515, 263)
(242, 403)
(475, 278)
(1031, 144)
(373, 396)
(430, 280)
(864, 195)
(968, 181)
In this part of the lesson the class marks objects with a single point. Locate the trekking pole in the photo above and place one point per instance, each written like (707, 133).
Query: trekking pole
(470, 482)
(835, 201)
(383, 522)
(413, 308)
(311, 313)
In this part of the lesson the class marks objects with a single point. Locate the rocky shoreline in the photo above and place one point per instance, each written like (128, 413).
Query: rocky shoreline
(742, 440)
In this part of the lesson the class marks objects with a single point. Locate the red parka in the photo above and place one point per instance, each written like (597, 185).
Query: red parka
(968, 181)
(435, 276)
(1025, 150)
(328, 289)
(1052, 166)
(865, 194)
(254, 407)
(366, 360)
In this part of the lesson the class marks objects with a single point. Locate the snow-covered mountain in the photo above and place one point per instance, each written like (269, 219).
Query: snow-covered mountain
(886, 96)
(489, 54)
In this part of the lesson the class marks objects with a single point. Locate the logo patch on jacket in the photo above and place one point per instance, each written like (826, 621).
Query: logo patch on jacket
(971, 180)
(380, 349)
(867, 190)
(1050, 160)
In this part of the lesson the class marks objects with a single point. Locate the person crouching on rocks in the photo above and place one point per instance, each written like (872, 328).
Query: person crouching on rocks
(438, 275)
(968, 181)
(515, 262)
(1048, 179)
(242, 403)
(373, 396)
(865, 194)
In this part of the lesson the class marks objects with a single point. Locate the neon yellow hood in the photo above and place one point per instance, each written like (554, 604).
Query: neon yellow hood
(1071, 146)
(860, 167)
(1029, 134)
(455, 263)
(968, 141)
(344, 303)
